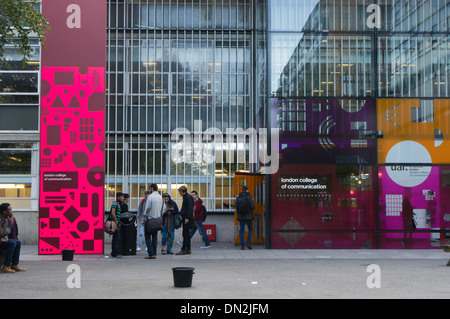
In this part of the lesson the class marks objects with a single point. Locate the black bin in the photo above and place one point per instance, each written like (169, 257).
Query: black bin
(67, 254)
(128, 234)
(182, 276)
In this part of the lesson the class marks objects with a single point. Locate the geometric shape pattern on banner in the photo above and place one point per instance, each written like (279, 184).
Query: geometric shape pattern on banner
(292, 238)
(76, 173)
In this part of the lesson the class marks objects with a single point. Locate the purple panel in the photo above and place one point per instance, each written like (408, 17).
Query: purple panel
(323, 132)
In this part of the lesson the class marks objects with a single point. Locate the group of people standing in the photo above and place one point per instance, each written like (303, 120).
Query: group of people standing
(155, 206)
(152, 206)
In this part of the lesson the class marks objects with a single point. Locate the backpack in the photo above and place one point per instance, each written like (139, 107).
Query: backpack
(242, 204)
(205, 213)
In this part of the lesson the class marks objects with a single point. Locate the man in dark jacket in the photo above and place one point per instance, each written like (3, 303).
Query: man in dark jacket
(244, 208)
(187, 212)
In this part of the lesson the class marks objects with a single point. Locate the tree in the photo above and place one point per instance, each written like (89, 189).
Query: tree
(20, 21)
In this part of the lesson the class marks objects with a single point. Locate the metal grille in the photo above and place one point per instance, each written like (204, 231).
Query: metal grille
(170, 65)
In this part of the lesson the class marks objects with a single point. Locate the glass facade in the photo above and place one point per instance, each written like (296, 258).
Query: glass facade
(19, 90)
(173, 65)
(361, 93)
(19, 128)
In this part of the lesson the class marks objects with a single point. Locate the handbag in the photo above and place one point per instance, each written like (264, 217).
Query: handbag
(177, 220)
(153, 225)
(110, 227)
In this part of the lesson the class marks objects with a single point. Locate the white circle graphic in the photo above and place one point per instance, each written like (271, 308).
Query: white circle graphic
(411, 153)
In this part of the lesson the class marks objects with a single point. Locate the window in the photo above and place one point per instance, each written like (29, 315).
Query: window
(18, 175)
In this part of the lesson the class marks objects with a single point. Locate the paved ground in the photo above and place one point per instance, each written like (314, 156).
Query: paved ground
(224, 271)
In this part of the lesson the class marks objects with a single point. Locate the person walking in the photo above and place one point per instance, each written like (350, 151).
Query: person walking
(187, 213)
(408, 220)
(244, 208)
(198, 216)
(115, 217)
(140, 218)
(168, 231)
(153, 209)
(9, 241)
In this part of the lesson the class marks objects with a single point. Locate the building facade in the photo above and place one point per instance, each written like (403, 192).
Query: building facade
(177, 64)
(359, 91)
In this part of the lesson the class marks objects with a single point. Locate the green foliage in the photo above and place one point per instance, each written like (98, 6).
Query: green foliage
(19, 22)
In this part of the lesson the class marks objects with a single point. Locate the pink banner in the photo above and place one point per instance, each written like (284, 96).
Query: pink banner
(72, 128)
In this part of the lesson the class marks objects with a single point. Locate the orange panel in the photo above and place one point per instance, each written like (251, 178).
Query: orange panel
(256, 186)
(421, 121)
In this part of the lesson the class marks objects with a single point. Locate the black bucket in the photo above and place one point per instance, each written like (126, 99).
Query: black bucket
(182, 276)
(67, 254)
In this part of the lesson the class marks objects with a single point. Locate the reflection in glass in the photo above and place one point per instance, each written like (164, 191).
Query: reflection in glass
(13, 58)
(15, 162)
(353, 84)
(346, 15)
(321, 65)
(11, 82)
(28, 115)
(414, 66)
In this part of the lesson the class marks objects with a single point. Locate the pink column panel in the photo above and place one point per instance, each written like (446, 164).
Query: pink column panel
(72, 174)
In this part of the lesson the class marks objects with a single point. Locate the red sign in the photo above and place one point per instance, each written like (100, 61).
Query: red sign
(72, 127)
